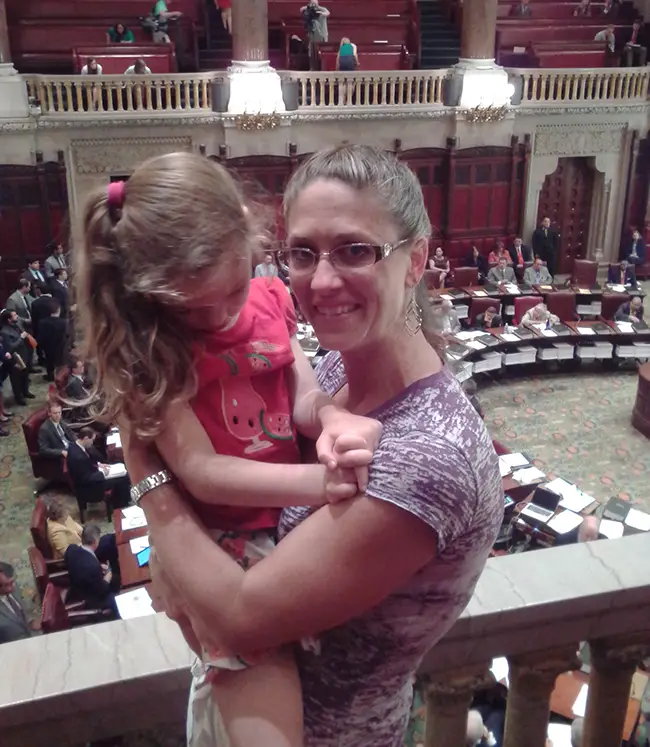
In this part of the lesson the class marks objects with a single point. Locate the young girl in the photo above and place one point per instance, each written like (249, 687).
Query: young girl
(189, 352)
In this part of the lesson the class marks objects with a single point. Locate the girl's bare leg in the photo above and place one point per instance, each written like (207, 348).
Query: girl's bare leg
(261, 705)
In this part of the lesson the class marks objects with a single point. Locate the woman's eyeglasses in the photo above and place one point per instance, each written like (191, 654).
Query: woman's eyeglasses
(356, 256)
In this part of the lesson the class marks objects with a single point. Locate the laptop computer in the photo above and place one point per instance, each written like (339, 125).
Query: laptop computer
(542, 506)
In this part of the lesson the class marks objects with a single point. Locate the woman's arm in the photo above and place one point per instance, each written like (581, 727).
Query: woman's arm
(231, 481)
(341, 561)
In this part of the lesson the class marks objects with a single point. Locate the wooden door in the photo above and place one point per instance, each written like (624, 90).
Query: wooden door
(566, 199)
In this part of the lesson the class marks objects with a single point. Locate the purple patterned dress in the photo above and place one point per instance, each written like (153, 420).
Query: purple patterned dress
(435, 460)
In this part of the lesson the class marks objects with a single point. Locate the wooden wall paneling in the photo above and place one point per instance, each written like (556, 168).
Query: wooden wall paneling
(512, 192)
(428, 164)
(639, 191)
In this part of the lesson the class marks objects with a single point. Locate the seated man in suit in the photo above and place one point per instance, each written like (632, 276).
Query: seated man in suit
(538, 274)
(502, 273)
(90, 476)
(13, 621)
(76, 386)
(621, 274)
(520, 254)
(488, 319)
(632, 311)
(89, 581)
(539, 315)
(634, 251)
(55, 437)
(53, 338)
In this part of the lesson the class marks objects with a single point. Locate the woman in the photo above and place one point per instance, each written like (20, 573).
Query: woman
(347, 60)
(475, 259)
(383, 576)
(440, 262)
(120, 34)
(92, 67)
(225, 6)
(499, 251)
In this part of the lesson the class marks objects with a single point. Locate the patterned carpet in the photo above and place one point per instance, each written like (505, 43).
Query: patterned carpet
(576, 425)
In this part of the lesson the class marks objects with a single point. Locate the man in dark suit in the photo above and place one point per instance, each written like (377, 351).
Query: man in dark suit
(520, 254)
(14, 343)
(621, 274)
(35, 276)
(76, 385)
(40, 309)
(20, 301)
(634, 251)
(13, 621)
(635, 49)
(90, 476)
(632, 311)
(546, 244)
(53, 339)
(55, 437)
(489, 319)
(89, 581)
(59, 289)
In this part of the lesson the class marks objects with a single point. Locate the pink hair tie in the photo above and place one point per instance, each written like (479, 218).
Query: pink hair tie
(116, 194)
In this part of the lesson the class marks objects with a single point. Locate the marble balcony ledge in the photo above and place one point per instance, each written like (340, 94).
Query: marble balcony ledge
(107, 679)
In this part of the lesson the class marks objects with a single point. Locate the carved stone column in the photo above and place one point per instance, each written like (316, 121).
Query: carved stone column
(613, 663)
(5, 51)
(447, 701)
(13, 92)
(532, 678)
(479, 29)
(250, 31)
(255, 87)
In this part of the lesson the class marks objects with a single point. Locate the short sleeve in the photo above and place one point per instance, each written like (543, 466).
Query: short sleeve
(278, 290)
(429, 478)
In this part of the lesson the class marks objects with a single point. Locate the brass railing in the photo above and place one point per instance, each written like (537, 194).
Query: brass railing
(534, 608)
(86, 95)
(548, 86)
(368, 89)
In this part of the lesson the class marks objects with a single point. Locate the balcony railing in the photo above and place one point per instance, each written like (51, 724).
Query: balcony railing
(549, 86)
(535, 608)
(87, 96)
(106, 94)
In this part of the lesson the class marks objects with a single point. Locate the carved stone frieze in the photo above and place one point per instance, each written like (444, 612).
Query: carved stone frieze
(578, 140)
(113, 155)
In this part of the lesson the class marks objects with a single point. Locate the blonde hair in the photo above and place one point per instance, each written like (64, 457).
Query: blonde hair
(366, 168)
(179, 214)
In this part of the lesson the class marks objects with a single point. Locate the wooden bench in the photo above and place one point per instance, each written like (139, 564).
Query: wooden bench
(127, 11)
(570, 54)
(116, 58)
(282, 10)
(359, 31)
(377, 60)
(521, 34)
(552, 11)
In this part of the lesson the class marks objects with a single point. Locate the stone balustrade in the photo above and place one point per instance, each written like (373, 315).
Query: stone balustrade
(86, 96)
(535, 608)
(548, 86)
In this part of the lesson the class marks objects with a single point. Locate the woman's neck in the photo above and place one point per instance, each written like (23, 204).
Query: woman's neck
(378, 372)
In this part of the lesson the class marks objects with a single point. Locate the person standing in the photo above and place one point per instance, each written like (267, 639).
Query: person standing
(14, 342)
(13, 620)
(635, 50)
(56, 259)
(520, 254)
(225, 8)
(60, 290)
(314, 18)
(20, 301)
(546, 244)
(35, 276)
(53, 338)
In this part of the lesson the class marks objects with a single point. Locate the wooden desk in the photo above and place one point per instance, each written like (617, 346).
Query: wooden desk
(132, 574)
(123, 536)
(641, 412)
(567, 688)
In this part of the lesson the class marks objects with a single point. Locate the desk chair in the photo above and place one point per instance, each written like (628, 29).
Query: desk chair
(44, 574)
(432, 279)
(610, 303)
(524, 304)
(584, 273)
(56, 615)
(465, 276)
(563, 305)
(480, 305)
(38, 529)
(52, 470)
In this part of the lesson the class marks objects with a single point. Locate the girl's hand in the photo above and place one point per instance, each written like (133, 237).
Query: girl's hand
(340, 424)
(340, 485)
(352, 453)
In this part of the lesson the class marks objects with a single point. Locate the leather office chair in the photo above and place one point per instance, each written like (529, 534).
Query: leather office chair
(563, 305)
(38, 529)
(610, 303)
(480, 306)
(52, 470)
(44, 576)
(432, 279)
(584, 272)
(56, 615)
(465, 276)
(524, 304)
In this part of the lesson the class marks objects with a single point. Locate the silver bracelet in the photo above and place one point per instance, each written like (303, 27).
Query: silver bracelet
(148, 484)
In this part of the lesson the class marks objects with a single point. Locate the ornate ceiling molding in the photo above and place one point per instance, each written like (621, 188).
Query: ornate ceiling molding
(579, 139)
(121, 155)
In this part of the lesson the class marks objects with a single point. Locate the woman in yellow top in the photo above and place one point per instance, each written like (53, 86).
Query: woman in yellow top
(63, 531)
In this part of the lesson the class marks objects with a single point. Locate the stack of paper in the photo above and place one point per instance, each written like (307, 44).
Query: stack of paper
(511, 288)
(625, 327)
(480, 293)
(516, 459)
(476, 345)
(642, 348)
(136, 603)
(524, 354)
(114, 439)
(626, 351)
(565, 351)
(585, 331)
(564, 521)
(584, 309)
(510, 337)
(615, 288)
(462, 310)
(528, 475)
(133, 518)
(116, 470)
(598, 350)
(611, 529)
(596, 308)
(488, 362)
(549, 333)
(572, 497)
(547, 354)
(468, 334)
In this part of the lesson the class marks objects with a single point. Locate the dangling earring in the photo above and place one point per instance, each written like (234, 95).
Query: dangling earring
(413, 320)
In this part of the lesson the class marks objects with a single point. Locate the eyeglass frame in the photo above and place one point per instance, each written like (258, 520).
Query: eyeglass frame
(382, 251)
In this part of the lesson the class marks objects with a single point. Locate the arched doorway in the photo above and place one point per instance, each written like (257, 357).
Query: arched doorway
(566, 199)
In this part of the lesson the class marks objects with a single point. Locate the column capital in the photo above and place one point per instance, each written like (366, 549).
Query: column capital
(620, 652)
(457, 683)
